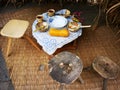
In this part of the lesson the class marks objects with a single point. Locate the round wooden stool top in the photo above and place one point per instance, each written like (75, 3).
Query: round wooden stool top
(106, 67)
(65, 67)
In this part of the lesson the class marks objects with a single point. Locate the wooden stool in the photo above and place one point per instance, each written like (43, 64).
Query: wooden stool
(14, 29)
(106, 68)
(65, 68)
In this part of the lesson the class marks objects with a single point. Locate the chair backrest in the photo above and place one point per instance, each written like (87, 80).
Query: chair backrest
(94, 2)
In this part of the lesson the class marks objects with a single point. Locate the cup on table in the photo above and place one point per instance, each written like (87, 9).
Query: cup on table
(67, 13)
(51, 12)
(39, 18)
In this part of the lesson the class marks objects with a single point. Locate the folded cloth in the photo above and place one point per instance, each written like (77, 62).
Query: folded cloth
(62, 11)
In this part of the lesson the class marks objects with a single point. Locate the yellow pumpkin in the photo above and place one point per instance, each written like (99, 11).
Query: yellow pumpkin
(60, 33)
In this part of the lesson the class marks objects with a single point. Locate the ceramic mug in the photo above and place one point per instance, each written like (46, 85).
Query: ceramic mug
(67, 13)
(39, 18)
(51, 12)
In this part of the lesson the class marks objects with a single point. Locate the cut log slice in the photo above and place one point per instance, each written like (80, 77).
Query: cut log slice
(65, 67)
(106, 67)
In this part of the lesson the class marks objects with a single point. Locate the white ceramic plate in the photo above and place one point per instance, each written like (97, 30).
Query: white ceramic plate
(58, 22)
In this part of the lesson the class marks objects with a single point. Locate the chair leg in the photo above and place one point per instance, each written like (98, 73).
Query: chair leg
(12, 1)
(117, 41)
(96, 20)
(7, 3)
(61, 2)
(39, 2)
(33, 0)
(14, 5)
(8, 46)
(117, 33)
(23, 1)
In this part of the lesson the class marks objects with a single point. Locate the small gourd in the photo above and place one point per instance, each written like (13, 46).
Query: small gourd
(60, 33)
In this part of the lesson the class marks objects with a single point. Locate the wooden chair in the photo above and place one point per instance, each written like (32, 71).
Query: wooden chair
(14, 29)
(11, 1)
(118, 35)
(39, 1)
(15, 2)
(113, 19)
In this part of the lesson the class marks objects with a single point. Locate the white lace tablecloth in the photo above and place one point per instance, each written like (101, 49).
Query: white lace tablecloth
(50, 43)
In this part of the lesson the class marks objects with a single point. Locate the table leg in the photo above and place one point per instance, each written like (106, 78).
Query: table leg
(32, 42)
(8, 45)
(75, 44)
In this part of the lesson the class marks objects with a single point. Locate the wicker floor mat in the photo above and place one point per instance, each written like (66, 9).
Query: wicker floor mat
(23, 64)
